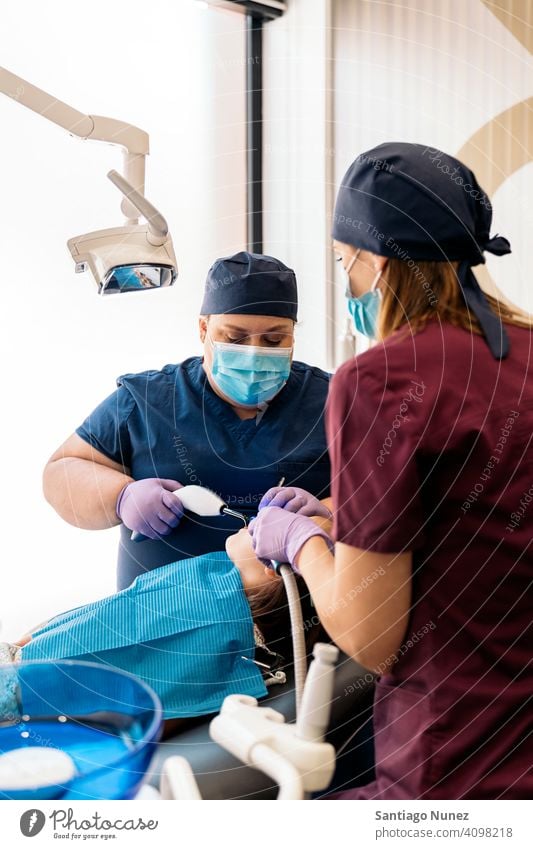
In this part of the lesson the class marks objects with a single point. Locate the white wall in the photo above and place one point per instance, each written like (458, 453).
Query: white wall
(177, 71)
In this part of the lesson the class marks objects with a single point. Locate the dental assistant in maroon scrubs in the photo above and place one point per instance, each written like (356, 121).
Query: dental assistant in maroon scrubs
(427, 578)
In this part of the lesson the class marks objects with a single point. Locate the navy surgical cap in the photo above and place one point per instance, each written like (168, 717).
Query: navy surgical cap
(250, 284)
(417, 203)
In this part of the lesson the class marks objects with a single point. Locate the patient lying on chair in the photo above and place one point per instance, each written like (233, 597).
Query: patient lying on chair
(193, 630)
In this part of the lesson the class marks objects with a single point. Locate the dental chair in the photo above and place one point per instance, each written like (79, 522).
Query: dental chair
(220, 775)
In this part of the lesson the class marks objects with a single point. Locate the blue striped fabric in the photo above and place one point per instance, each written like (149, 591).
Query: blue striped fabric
(182, 628)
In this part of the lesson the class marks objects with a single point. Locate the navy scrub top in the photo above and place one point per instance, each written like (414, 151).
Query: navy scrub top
(170, 424)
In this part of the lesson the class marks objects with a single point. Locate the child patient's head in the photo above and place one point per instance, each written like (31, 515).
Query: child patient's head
(267, 598)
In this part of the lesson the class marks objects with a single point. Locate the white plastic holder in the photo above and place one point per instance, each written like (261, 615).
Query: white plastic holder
(295, 756)
(246, 730)
(261, 738)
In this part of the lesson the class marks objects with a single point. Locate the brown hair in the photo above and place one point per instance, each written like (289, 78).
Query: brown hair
(421, 291)
(270, 612)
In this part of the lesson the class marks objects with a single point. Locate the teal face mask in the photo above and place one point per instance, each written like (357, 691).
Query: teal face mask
(364, 312)
(186, 629)
(250, 375)
(365, 309)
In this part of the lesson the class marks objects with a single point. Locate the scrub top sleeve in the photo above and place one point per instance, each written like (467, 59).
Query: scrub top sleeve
(106, 428)
(373, 437)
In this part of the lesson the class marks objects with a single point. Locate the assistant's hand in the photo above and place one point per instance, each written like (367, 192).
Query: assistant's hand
(279, 535)
(149, 506)
(295, 500)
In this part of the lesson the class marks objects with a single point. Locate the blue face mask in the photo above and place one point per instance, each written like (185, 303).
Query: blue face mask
(365, 309)
(364, 312)
(186, 629)
(250, 375)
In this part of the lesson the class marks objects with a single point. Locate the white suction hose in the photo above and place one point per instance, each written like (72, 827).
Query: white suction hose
(297, 632)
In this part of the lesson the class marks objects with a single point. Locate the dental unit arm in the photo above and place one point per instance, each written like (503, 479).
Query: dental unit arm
(121, 259)
(203, 502)
(294, 755)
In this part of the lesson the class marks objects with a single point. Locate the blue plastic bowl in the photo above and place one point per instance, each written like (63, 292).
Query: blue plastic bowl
(106, 720)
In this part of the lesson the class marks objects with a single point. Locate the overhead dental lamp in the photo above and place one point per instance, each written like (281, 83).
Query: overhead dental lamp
(129, 258)
(134, 257)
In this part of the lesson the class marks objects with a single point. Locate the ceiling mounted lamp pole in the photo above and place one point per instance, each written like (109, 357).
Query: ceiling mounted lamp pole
(254, 133)
(257, 13)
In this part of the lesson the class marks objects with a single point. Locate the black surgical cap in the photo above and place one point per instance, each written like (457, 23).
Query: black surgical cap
(417, 203)
(250, 284)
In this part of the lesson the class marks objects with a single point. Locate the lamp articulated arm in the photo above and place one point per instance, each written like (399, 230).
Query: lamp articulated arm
(133, 140)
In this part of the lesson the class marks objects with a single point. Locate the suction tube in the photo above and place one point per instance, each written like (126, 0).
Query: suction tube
(299, 652)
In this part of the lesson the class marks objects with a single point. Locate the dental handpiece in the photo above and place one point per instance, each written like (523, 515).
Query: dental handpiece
(203, 502)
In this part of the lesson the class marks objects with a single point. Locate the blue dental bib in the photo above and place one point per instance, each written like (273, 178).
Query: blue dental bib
(185, 629)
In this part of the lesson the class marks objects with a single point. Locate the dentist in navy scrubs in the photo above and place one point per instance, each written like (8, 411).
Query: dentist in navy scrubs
(426, 579)
(236, 420)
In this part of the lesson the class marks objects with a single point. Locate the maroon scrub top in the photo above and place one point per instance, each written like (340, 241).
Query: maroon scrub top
(431, 447)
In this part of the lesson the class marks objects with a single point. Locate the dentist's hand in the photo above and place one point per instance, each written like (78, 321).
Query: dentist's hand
(149, 506)
(295, 500)
(279, 535)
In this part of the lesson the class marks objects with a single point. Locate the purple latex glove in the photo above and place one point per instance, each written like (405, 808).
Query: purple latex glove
(149, 507)
(279, 535)
(295, 500)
